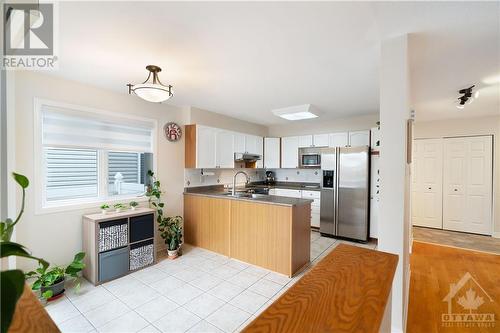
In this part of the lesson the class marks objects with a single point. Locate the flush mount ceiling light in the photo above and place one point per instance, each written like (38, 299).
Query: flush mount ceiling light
(466, 97)
(154, 90)
(298, 112)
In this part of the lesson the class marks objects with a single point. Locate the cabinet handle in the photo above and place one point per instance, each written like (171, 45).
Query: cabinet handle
(429, 188)
(456, 190)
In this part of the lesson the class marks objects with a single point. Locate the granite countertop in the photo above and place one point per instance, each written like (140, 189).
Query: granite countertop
(219, 192)
(289, 185)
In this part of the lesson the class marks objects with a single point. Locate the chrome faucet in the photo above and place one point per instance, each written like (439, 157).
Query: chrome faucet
(234, 180)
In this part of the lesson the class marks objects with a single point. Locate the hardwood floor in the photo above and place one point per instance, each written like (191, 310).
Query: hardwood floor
(433, 269)
(457, 239)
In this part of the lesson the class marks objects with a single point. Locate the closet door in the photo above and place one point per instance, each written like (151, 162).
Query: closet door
(427, 186)
(468, 183)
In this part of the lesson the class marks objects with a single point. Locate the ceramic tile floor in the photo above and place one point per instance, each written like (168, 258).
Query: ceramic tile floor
(200, 291)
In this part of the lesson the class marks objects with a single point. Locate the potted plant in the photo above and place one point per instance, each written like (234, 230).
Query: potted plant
(171, 231)
(13, 280)
(133, 204)
(118, 207)
(104, 208)
(50, 281)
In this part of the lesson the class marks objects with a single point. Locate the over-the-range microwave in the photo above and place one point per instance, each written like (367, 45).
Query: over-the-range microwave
(309, 158)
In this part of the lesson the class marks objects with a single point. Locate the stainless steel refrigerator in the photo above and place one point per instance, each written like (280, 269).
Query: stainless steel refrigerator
(345, 192)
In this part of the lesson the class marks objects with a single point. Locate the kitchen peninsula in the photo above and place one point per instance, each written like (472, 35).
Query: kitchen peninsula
(268, 231)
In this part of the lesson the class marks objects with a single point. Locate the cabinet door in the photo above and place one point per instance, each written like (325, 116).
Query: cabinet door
(271, 153)
(305, 141)
(288, 193)
(224, 149)
(427, 184)
(239, 142)
(467, 184)
(321, 140)
(359, 138)
(260, 151)
(205, 147)
(290, 152)
(338, 139)
(251, 144)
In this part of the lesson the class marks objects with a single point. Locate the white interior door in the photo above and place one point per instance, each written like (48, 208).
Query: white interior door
(468, 183)
(427, 183)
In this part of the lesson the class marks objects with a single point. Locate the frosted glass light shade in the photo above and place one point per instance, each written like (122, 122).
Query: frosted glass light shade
(150, 92)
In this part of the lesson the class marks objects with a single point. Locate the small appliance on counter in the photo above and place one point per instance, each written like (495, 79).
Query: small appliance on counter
(270, 178)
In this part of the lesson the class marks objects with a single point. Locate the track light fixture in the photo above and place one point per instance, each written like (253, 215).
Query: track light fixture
(466, 96)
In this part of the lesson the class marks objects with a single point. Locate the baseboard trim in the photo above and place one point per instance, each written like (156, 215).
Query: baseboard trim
(496, 234)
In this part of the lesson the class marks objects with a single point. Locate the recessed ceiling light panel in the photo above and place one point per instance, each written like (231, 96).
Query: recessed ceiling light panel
(298, 112)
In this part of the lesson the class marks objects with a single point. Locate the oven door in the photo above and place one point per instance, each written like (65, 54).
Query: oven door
(310, 160)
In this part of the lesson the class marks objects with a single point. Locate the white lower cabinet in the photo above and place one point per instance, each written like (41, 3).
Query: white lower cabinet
(313, 195)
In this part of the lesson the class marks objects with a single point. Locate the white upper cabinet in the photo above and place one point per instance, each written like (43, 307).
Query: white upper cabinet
(321, 140)
(338, 139)
(251, 144)
(206, 145)
(359, 138)
(271, 153)
(290, 152)
(260, 151)
(224, 149)
(239, 143)
(305, 141)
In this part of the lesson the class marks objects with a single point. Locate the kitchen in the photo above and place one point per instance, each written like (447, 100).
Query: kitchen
(292, 171)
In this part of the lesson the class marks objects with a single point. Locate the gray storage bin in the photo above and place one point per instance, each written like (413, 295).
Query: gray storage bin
(113, 264)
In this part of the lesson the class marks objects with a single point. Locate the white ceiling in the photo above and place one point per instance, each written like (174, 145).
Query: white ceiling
(244, 59)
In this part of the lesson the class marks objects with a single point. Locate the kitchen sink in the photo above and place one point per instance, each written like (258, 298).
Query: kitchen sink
(246, 195)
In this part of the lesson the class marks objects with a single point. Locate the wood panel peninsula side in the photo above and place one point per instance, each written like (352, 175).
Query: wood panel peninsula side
(272, 232)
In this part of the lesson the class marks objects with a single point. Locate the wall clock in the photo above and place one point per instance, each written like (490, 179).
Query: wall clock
(172, 131)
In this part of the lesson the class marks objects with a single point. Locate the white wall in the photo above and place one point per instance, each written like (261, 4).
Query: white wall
(212, 119)
(394, 219)
(319, 126)
(470, 126)
(58, 236)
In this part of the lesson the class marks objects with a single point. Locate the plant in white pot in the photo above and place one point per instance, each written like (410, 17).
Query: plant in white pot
(133, 204)
(104, 208)
(171, 231)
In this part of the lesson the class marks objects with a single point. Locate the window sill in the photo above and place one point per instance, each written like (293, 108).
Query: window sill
(57, 207)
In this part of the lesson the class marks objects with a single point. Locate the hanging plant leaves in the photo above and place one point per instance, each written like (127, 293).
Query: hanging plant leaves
(12, 284)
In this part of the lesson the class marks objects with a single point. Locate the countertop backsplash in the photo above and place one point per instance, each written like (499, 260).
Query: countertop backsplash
(206, 177)
(297, 175)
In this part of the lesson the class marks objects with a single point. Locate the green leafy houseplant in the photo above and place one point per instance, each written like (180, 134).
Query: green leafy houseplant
(104, 207)
(118, 207)
(170, 227)
(50, 281)
(171, 231)
(133, 204)
(12, 281)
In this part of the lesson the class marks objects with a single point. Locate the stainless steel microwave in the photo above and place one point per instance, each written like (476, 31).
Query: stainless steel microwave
(309, 158)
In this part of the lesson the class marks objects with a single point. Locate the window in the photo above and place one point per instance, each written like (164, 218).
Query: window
(70, 173)
(89, 156)
(127, 172)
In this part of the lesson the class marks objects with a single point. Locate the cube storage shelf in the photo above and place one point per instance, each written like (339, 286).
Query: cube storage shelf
(118, 243)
